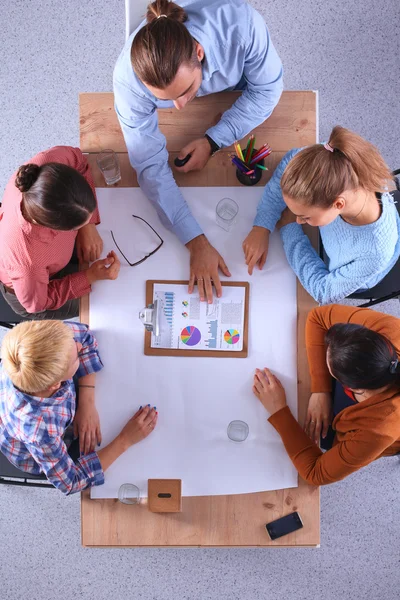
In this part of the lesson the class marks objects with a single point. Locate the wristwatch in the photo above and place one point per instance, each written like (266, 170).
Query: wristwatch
(213, 145)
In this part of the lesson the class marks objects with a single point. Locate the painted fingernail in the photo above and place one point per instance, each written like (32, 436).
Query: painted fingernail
(156, 412)
(154, 407)
(148, 405)
(140, 407)
(99, 445)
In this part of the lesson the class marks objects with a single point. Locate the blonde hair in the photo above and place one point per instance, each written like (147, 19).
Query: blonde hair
(37, 354)
(317, 177)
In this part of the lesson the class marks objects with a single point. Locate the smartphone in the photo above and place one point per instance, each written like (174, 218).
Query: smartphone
(284, 525)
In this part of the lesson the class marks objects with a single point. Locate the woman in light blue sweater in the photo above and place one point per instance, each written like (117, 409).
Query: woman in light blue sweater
(339, 187)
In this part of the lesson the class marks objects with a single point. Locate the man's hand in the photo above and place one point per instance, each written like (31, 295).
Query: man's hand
(86, 422)
(200, 151)
(287, 217)
(269, 391)
(89, 244)
(255, 248)
(139, 426)
(106, 268)
(204, 264)
(319, 415)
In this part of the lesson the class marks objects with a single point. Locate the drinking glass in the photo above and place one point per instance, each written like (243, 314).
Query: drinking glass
(108, 164)
(238, 431)
(226, 212)
(129, 493)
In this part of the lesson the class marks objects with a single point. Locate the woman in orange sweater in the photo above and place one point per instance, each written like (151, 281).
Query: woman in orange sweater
(359, 349)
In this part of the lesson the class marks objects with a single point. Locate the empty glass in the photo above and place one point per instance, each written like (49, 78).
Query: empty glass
(129, 494)
(226, 210)
(238, 431)
(108, 164)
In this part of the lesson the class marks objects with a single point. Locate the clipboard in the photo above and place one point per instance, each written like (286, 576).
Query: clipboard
(149, 351)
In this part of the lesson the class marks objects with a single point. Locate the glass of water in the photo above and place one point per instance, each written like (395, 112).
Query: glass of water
(129, 493)
(226, 212)
(238, 431)
(108, 164)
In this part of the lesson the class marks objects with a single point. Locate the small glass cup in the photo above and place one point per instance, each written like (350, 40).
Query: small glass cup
(238, 431)
(226, 211)
(108, 163)
(129, 493)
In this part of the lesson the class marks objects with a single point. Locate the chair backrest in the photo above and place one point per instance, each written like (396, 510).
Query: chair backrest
(135, 11)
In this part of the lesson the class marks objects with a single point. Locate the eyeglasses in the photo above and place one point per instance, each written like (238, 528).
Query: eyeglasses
(148, 255)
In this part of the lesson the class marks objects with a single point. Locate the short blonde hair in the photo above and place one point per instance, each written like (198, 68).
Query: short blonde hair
(36, 354)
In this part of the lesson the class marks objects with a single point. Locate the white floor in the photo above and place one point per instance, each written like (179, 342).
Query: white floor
(50, 51)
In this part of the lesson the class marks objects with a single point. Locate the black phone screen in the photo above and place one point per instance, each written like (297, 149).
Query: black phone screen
(284, 525)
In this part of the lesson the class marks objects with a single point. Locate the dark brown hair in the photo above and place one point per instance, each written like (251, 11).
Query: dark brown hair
(162, 45)
(55, 195)
(361, 358)
(317, 177)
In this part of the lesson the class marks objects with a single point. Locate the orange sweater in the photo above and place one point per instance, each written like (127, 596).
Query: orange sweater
(364, 432)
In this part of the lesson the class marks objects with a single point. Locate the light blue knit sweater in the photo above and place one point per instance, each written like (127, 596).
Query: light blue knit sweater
(359, 256)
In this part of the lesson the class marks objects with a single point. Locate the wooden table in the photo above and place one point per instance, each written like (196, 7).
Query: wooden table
(217, 521)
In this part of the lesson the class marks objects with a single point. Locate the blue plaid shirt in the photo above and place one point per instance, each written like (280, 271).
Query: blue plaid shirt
(34, 432)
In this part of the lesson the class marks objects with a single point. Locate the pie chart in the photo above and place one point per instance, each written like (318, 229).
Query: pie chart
(190, 336)
(231, 336)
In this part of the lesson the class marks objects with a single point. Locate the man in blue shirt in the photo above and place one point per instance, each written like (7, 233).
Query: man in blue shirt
(182, 53)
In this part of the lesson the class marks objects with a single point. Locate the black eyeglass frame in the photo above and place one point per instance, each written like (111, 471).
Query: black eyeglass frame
(148, 255)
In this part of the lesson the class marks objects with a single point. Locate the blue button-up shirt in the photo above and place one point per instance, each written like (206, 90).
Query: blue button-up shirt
(239, 54)
(34, 431)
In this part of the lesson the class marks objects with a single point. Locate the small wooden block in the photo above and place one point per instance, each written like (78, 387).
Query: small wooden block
(165, 495)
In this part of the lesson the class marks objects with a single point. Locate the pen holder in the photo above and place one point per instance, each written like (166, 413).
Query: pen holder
(250, 179)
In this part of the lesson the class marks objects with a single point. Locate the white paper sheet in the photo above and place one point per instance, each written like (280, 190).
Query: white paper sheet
(189, 324)
(196, 397)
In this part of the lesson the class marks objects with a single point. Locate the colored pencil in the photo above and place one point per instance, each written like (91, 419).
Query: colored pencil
(262, 167)
(238, 163)
(261, 151)
(249, 149)
(239, 151)
(260, 157)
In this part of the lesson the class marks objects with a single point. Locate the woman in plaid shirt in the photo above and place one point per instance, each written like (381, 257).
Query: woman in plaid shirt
(39, 416)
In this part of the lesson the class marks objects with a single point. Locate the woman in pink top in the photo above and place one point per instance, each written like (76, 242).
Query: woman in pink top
(49, 209)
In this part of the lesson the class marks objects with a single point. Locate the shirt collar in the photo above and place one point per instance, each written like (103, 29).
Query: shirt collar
(38, 232)
(20, 398)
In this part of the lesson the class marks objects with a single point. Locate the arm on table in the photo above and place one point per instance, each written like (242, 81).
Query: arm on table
(318, 468)
(148, 155)
(269, 210)
(36, 293)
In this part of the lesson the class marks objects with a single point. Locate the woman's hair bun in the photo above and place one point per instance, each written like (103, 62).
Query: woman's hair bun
(161, 9)
(26, 176)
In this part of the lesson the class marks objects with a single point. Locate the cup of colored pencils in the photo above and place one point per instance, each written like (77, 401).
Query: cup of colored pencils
(249, 162)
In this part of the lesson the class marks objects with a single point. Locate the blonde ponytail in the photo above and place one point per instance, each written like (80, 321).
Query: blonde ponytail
(317, 176)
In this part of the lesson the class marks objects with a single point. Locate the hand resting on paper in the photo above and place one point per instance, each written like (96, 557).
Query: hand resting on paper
(255, 248)
(269, 390)
(137, 428)
(205, 262)
(106, 268)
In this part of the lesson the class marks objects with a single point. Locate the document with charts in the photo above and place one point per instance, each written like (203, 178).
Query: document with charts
(189, 324)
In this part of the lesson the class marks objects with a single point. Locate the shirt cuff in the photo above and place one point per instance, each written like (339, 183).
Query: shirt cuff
(266, 221)
(187, 229)
(80, 284)
(92, 468)
(293, 437)
(221, 135)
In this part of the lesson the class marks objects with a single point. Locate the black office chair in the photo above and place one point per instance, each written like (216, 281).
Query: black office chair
(389, 287)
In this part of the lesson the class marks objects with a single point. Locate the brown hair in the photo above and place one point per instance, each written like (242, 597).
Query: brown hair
(55, 196)
(317, 177)
(162, 45)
